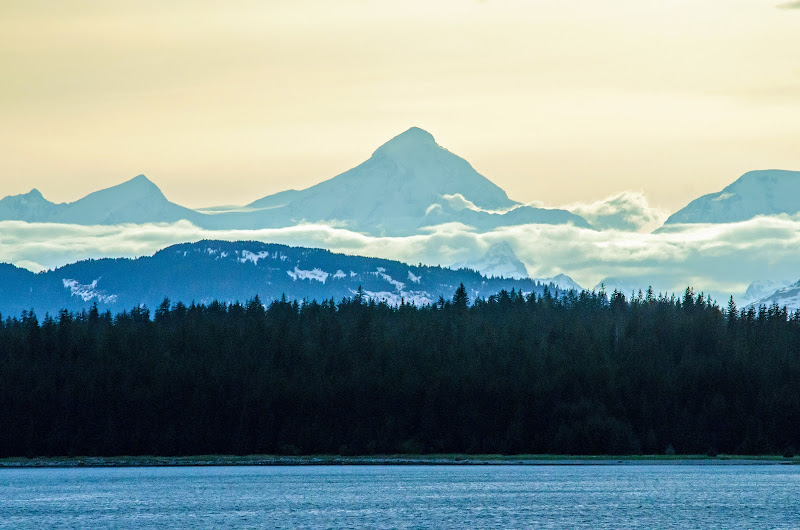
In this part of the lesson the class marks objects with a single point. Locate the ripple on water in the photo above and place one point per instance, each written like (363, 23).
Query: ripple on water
(403, 496)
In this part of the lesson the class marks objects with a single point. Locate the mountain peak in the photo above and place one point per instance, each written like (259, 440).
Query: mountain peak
(141, 180)
(760, 192)
(417, 134)
(770, 173)
(34, 195)
(31, 207)
(139, 185)
(137, 200)
(411, 141)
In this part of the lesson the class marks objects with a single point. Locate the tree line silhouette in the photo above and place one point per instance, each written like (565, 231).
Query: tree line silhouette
(582, 373)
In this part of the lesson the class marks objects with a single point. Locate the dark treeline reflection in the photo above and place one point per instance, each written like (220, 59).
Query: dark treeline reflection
(580, 374)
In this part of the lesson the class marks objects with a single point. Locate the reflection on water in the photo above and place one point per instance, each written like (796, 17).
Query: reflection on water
(652, 496)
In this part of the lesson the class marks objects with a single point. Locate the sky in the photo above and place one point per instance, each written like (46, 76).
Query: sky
(556, 102)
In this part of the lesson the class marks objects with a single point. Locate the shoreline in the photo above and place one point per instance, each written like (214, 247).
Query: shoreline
(384, 460)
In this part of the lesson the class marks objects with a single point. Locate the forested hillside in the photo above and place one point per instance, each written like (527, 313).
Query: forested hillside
(235, 271)
(580, 374)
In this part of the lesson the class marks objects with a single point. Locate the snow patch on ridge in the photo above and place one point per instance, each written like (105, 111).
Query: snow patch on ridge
(313, 274)
(413, 277)
(87, 292)
(249, 256)
(246, 256)
(417, 298)
(381, 273)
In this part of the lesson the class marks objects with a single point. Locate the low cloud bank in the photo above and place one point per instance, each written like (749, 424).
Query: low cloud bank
(627, 211)
(458, 202)
(720, 259)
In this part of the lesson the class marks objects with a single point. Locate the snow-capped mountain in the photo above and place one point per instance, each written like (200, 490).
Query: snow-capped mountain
(787, 296)
(766, 192)
(403, 177)
(136, 201)
(562, 282)
(499, 261)
(31, 207)
(762, 289)
(236, 271)
(621, 285)
(409, 183)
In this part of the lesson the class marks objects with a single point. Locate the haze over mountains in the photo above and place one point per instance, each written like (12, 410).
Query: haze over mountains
(415, 201)
(409, 183)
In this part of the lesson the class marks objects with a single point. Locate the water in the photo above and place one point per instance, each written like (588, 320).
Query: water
(654, 496)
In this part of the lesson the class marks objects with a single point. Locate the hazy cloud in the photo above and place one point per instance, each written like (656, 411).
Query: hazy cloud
(789, 5)
(721, 259)
(627, 210)
(458, 202)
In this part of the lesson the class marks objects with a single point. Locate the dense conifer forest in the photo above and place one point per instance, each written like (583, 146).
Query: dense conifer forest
(579, 374)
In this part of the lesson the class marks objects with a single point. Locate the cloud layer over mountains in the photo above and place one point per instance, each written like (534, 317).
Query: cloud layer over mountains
(718, 258)
(626, 210)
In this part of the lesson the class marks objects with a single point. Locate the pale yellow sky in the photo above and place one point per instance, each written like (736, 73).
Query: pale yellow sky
(226, 102)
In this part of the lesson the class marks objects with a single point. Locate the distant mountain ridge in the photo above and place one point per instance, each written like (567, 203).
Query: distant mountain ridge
(499, 260)
(237, 271)
(135, 201)
(764, 192)
(402, 188)
(408, 184)
(787, 296)
(763, 288)
(31, 207)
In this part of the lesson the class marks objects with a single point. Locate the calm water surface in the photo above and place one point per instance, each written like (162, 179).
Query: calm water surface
(654, 496)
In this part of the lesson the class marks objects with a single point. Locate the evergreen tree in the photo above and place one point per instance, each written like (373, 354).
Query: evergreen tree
(572, 373)
(460, 299)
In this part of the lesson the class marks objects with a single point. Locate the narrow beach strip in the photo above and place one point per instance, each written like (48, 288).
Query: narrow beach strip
(383, 460)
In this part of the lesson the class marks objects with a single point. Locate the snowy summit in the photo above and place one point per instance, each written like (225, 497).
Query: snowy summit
(765, 192)
(408, 184)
